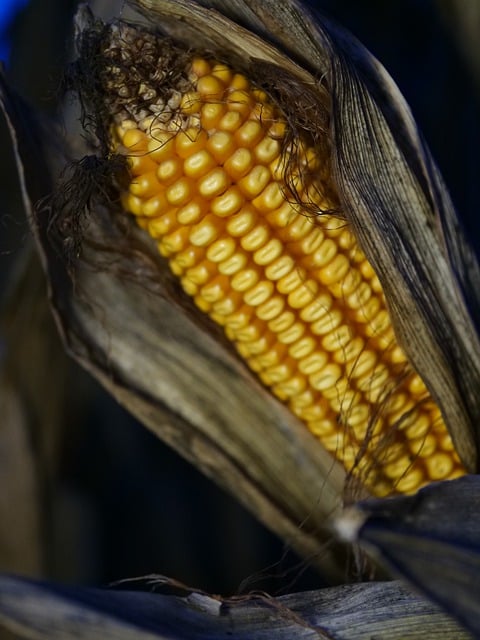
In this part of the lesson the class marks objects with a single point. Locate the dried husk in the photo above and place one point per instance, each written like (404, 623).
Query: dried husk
(174, 612)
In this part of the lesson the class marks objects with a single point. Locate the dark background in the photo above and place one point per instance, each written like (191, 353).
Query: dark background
(124, 504)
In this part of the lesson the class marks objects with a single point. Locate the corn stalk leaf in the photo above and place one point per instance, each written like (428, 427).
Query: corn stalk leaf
(354, 612)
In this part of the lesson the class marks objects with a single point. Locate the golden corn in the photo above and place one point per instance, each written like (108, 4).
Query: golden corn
(293, 291)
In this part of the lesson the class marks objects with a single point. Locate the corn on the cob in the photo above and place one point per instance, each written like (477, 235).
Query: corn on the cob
(293, 291)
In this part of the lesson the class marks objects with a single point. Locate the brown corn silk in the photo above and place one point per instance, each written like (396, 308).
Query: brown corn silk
(243, 207)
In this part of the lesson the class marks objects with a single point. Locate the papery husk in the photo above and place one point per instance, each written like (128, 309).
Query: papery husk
(171, 611)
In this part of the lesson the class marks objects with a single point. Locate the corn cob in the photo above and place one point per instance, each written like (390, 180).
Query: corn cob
(293, 291)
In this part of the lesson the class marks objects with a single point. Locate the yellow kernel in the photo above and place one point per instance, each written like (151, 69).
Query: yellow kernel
(247, 349)
(242, 222)
(399, 468)
(205, 232)
(302, 347)
(350, 351)
(223, 73)
(368, 311)
(193, 211)
(269, 252)
(240, 101)
(303, 295)
(278, 373)
(221, 145)
(251, 332)
(169, 170)
(322, 428)
(201, 273)
(292, 334)
(312, 241)
(337, 339)
(233, 264)
(190, 288)
(328, 323)
(439, 466)
(271, 308)
(138, 165)
(280, 268)
(239, 163)
(255, 181)
(259, 293)
(267, 150)
(180, 192)
(190, 141)
(228, 305)
(255, 238)
(411, 481)
(335, 271)
(273, 356)
(210, 87)
(145, 186)
(297, 229)
(417, 386)
(173, 242)
(215, 290)
(282, 322)
(200, 67)
(347, 285)
(270, 199)
(249, 134)
(316, 411)
(241, 318)
(189, 257)
(221, 249)
(363, 366)
(317, 308)
(240, 82)
(199, 164)
(228, 203)
(161, 146)
(245, 279)
(230, 121)
(303, 401)
(190, 102)
(291, 281)
(289, 388)
(313, 363)
(158, 227)
(322, 256)
(423, 447)
(135, 140)
(156, 206)
(359, 298)
(326, 378)
(214, 183)
(416, 425)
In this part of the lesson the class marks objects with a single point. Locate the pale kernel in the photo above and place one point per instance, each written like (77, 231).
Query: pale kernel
(269, 252)
(313, 363)
(199, 164)
(271, 308)
(302, 347)
(214, 183)
(242, 222)
(233, 264)
(303, 295)
(255, 238)
(292, 334)
(228, 203)
(192, 212)
(282, 322)
(317, 309)
(221, 250)
(205, 232)
(259, 293)
(244, 279)
(337, 339)
(180, 192)
(280, 268)
(328, 323)
(216, 289)
(326, 378)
